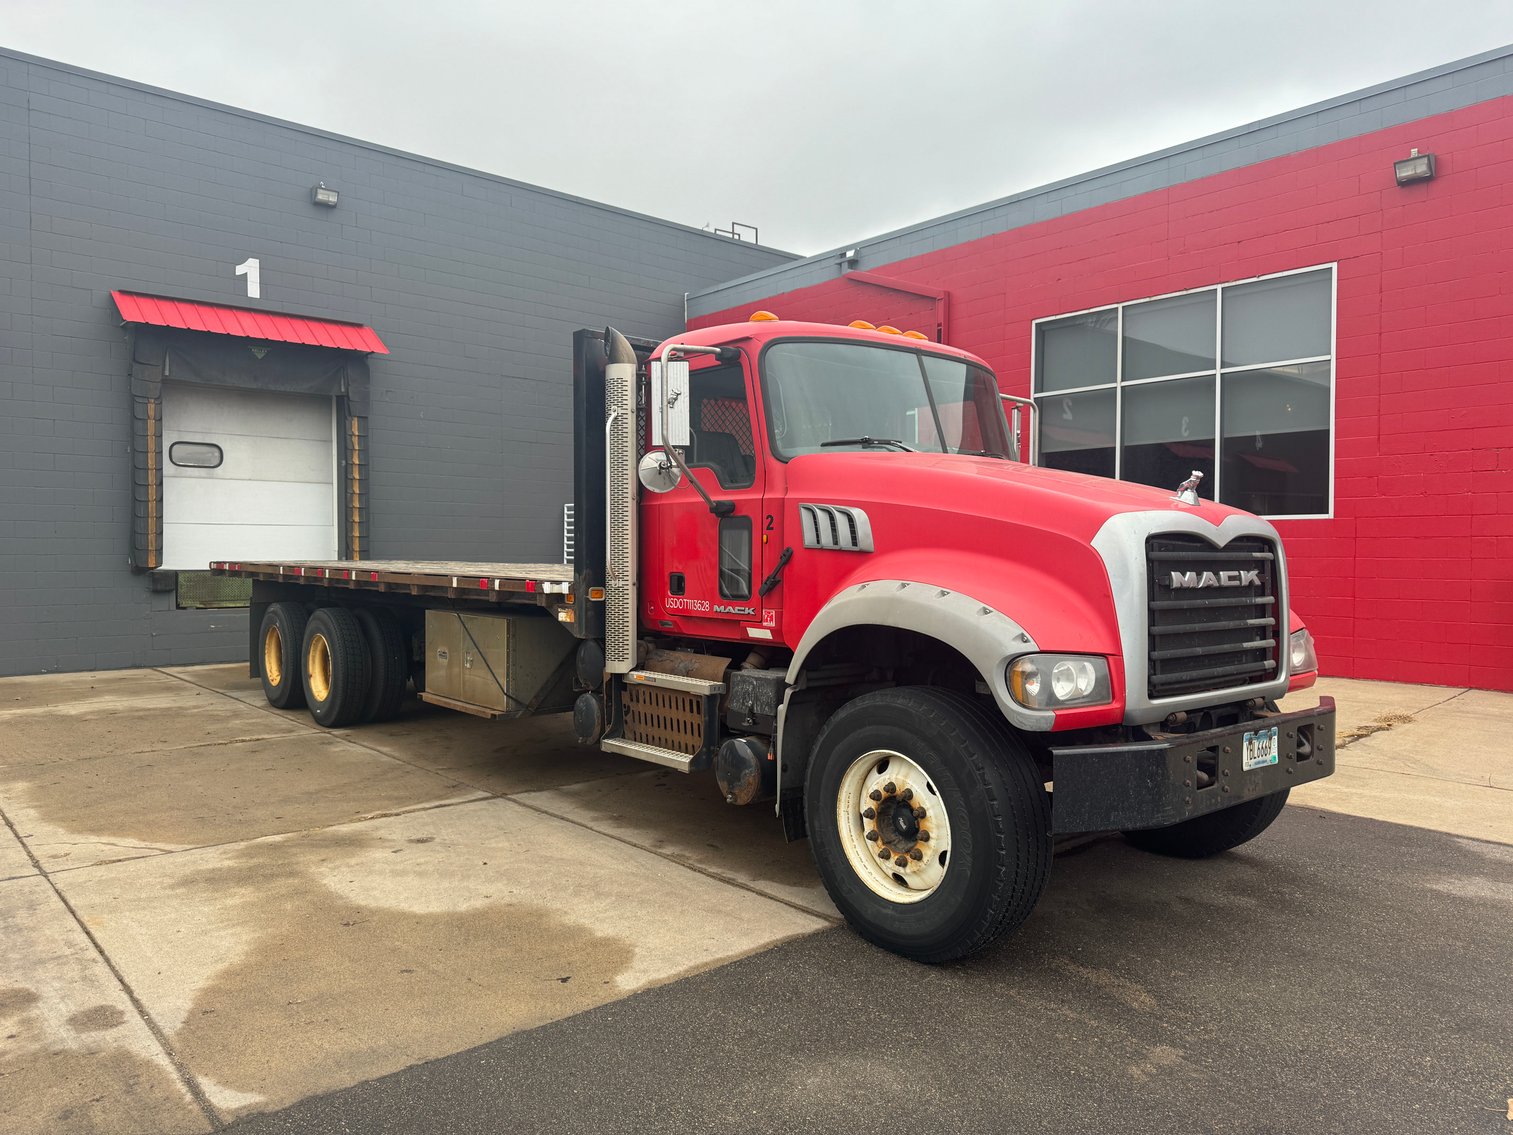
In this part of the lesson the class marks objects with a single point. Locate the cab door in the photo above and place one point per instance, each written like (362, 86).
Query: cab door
(700, 573)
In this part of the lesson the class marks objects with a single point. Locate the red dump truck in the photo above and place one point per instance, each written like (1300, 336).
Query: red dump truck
(808, 560)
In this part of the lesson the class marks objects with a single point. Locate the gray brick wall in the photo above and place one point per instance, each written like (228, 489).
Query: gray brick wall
(474, 282)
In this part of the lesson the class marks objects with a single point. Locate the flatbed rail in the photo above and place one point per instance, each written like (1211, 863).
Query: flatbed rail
(499, 583)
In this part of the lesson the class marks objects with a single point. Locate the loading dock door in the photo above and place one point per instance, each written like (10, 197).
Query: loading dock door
(247, 474)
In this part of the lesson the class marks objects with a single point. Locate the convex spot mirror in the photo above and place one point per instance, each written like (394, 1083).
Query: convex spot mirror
(658, 473)
(669, 403)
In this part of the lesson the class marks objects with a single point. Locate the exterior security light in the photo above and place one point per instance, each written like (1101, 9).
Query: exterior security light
(1415, 167)
(323, 196)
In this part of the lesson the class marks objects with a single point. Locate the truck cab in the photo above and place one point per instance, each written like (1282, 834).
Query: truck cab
(925, 646)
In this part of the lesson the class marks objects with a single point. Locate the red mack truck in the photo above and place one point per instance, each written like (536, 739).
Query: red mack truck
(808, 559)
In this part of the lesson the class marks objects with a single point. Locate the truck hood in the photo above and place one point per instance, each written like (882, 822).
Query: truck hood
(1072, 504)
(1017, 538)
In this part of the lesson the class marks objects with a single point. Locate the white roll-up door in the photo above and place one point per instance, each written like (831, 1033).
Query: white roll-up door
(247, 475)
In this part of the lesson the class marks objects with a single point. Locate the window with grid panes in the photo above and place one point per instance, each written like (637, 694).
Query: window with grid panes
(1234, 381)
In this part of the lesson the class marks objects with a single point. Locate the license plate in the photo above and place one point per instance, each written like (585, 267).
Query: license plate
(1259, 749)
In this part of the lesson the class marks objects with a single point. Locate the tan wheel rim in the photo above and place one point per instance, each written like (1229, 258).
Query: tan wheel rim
(273, 656)
(318, 666)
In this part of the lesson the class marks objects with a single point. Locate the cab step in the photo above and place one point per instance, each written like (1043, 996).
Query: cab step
(667, 758)
(668, 719)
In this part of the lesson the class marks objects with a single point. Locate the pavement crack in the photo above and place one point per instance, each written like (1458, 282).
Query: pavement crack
(727, 880)
(1390, 720)
(186, 1077)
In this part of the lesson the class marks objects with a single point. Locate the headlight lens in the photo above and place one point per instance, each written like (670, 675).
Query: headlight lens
(1059, 681)
(1303, 657)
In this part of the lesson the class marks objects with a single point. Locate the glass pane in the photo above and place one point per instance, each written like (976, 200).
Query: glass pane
(1077, 432)
(1079, 351)
(721, 426)
(735, 557)
(1276, 440)
(967, 404)
(1172, 336)
(1272, 320)
(195, 455)
(819, 392)
(1169, 432)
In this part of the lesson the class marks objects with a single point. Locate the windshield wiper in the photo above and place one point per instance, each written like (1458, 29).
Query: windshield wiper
(880, 442)
(980, 453)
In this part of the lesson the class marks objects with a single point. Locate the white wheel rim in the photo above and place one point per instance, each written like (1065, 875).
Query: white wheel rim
(919, 845)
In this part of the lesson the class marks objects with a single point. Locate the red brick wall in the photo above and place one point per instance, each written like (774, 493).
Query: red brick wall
(1412, 578)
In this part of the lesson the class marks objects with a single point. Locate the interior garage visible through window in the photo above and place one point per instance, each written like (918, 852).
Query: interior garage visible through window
(1234, 380)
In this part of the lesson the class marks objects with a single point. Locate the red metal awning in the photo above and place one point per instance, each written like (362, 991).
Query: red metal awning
(161, 311)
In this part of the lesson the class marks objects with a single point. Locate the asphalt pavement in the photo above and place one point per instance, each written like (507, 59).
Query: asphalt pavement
(1339, 975)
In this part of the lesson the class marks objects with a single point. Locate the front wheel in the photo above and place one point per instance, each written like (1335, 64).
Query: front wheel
(1208, 835)
(929, 822)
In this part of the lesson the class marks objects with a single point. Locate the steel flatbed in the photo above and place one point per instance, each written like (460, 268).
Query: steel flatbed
(499, 583)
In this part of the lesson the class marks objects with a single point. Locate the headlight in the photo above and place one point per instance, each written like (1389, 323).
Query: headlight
(1059, 681)
(1303, 657)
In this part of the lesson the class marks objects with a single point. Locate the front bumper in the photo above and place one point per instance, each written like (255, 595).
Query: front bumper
(1154, 784)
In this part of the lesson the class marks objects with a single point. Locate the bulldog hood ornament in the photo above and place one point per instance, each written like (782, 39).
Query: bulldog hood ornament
(1187, 491)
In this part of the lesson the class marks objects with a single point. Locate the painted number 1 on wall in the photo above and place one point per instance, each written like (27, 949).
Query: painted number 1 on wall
(252, 268)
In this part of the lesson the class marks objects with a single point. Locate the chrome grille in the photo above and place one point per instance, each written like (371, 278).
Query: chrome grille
(1213, 614)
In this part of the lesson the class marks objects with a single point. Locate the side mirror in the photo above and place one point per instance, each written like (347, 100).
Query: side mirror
(669, 403)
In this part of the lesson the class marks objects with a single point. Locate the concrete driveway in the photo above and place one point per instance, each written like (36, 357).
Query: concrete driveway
(211, 909)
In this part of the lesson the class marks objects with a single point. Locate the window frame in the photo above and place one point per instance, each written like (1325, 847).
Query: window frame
(1217, 373)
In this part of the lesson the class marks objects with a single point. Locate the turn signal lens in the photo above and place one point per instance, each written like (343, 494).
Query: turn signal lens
(915, 335)
(886, 329)
(1059, 681)
(862, 325)
(761, 317)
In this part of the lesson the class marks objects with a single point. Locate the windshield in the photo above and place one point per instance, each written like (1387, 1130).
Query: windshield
(827, 396)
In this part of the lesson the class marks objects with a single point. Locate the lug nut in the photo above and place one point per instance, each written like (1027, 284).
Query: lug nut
(901, 862)
(923, 837)
(907, 794)
(874, 795)
(873, 836)
(870, 814)
(916, 854)
(919, 812)
(890, 788)
(884, 854)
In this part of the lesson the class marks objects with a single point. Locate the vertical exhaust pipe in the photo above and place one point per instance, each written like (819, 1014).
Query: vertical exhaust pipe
(620, 600)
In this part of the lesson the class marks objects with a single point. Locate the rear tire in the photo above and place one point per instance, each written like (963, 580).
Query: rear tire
(281, 635)
(335, 667)
(984, 838)
(389, 660)
(1217, 832)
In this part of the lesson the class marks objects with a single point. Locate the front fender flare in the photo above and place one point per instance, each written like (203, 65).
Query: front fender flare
(987, 637)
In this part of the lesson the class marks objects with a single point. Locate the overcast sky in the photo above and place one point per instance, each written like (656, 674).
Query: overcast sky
(820, 123)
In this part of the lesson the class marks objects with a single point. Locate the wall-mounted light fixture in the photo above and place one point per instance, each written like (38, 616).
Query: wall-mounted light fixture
(328, 197)
(1415, 167)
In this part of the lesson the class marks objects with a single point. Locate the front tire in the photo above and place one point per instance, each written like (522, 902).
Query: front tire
(1217, 832)
(942, 787)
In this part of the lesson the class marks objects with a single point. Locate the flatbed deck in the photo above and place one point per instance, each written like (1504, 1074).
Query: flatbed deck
(454, 579)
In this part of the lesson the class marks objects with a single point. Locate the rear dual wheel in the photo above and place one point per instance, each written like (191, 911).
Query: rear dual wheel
(337, 669)
(282, 637)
